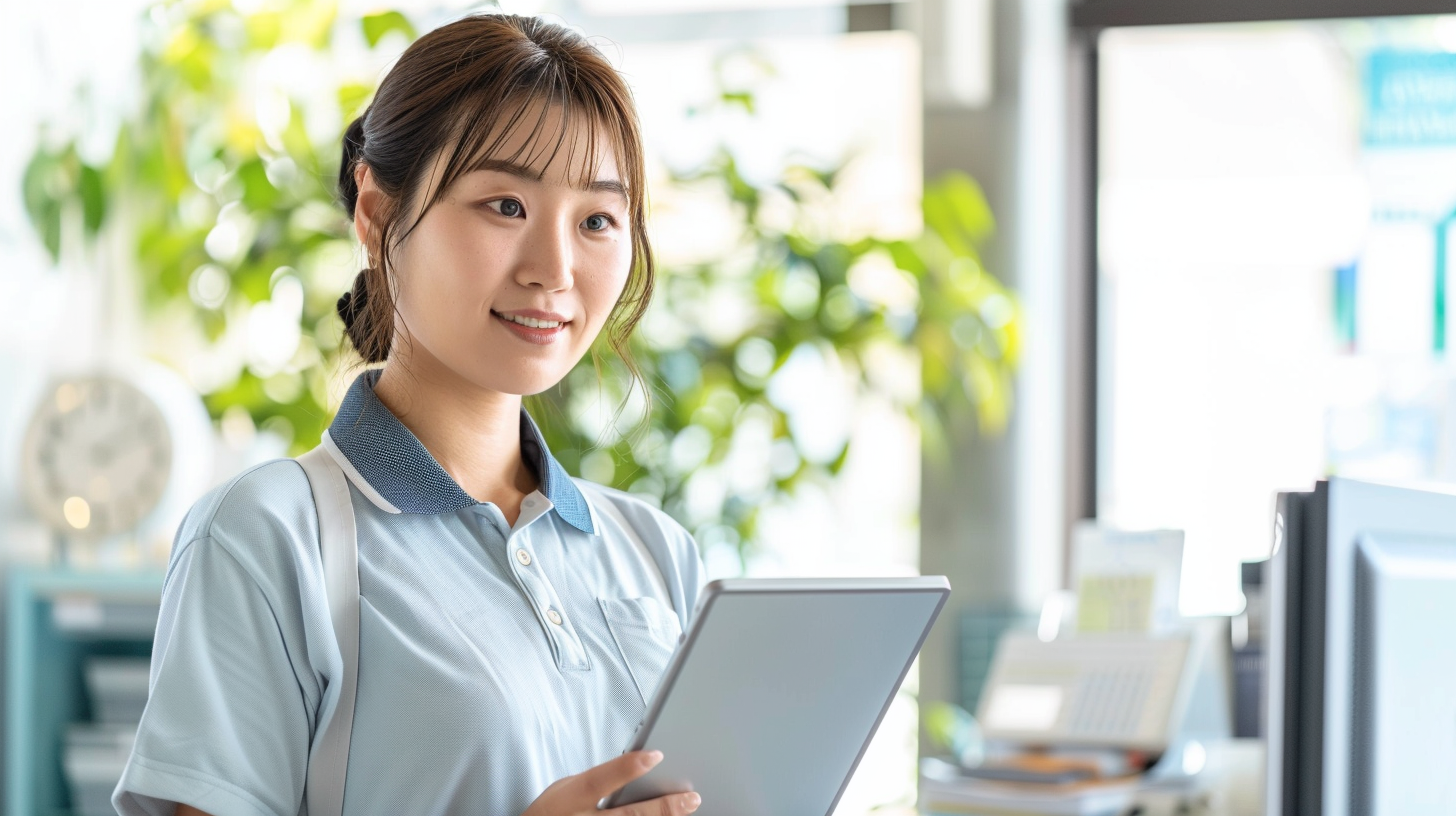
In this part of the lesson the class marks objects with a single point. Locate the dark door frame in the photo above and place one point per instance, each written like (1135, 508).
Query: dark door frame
(1093, 14)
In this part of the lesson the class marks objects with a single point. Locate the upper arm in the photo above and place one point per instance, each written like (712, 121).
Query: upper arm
(238, 671)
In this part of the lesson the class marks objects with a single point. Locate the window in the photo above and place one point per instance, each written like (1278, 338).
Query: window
(1274, 202)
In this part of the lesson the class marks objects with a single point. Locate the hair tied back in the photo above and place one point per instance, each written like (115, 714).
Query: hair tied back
(352, 302)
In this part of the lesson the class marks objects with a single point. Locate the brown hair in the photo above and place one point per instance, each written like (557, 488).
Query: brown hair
(455, 84)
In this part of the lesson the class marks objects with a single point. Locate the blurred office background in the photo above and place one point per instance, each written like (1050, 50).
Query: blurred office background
(939, 279)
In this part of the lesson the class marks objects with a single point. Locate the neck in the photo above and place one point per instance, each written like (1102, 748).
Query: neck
(474, 433)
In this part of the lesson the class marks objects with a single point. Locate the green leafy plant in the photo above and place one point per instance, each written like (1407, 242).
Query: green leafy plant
(218, 194)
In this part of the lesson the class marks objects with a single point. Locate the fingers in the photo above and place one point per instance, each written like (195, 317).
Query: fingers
(611, 775)
(677, 804)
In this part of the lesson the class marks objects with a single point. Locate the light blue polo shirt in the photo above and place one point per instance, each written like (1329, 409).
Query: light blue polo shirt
(493, 660)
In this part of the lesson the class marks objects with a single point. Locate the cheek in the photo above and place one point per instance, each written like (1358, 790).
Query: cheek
(607, 287)
(441, 273)
(620, 265)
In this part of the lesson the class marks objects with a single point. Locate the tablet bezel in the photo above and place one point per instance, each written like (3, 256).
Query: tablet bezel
(750, 586)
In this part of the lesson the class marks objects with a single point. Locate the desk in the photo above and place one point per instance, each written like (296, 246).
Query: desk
(1227, 781)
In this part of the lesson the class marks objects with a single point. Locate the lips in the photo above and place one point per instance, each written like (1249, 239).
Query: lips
(532, 325)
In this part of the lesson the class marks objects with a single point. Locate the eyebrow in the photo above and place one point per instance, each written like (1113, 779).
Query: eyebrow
(524, 172)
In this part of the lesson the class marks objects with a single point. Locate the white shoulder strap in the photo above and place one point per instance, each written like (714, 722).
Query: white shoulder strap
(324, 788)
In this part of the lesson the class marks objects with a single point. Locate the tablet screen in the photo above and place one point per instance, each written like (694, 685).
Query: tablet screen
(771, 700)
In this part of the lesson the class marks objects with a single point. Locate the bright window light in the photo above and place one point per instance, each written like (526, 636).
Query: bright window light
(1271, 205)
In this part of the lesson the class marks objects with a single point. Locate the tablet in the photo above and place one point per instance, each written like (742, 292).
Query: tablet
(770, 701)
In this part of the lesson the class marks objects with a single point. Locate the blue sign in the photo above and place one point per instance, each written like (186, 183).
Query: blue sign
(1410, 98)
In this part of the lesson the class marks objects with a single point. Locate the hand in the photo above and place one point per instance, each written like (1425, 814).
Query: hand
(579, 794)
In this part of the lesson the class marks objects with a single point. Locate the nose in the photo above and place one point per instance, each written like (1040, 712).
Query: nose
(546, 258)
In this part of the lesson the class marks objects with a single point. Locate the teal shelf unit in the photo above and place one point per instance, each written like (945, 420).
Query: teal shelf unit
(55, 620)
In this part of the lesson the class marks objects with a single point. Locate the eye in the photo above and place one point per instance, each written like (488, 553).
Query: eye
(509, 207)
(598, 222)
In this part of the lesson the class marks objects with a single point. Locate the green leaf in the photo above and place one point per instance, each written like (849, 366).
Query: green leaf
(258, 192)
(353, 97)
(93, 199)
(40, 204)
(743, 99)
(377, 25)
(964, 205)
(941, 219)
(838, 463)
(905, 257)
(264, 29)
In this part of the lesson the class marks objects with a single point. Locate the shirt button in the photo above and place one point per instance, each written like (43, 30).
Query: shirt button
(528, 503)
(554, 616)
(524, 557)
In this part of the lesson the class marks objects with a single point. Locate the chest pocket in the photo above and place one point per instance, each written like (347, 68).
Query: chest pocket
(646, 633)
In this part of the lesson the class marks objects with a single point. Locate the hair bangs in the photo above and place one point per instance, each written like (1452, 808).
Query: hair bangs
(546, 118)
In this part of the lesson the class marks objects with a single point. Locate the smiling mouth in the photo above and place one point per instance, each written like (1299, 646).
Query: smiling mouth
(530, 322)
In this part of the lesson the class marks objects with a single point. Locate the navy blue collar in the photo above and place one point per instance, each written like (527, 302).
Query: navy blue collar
(391, 459)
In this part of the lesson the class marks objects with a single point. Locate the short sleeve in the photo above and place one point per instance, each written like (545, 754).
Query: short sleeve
(693, 575)
(233, 696)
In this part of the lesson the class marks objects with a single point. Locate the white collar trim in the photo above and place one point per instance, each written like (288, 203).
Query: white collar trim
(353, 475)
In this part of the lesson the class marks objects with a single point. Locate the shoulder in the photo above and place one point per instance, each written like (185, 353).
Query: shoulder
(266, 493)
(625, 516)
(614, 507)
(264, 518)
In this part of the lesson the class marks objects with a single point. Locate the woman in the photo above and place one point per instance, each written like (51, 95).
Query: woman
(513, 621)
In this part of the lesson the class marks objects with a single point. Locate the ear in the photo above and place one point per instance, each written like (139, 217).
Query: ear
(366, 207)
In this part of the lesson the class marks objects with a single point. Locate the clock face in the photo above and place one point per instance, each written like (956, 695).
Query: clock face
(97, 456)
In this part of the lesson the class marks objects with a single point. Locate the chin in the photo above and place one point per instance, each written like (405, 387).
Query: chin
(523, 384)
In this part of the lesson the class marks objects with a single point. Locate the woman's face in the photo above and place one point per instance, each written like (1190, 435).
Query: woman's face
(510, 276)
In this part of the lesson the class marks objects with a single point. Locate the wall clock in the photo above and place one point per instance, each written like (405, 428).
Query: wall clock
(104, 449)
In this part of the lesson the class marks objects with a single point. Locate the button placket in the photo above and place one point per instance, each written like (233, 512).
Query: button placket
(533, 507)
(535, 587)
(570, 653)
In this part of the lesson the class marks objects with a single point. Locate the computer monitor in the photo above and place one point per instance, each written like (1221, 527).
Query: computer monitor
(1362, 657)
(1404, 730)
